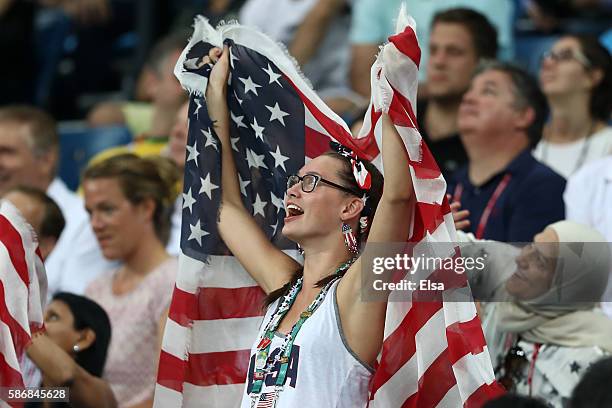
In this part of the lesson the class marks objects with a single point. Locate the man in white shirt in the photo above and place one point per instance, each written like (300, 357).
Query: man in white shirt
(588, 198)
(29, 154)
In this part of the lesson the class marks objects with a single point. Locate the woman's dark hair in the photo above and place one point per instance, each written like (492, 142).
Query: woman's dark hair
(599, 59)
(593, 390)
(373, 198)
(152, 177)
(89, 315)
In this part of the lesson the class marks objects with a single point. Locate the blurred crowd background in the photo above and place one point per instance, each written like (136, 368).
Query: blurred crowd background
(515, 102)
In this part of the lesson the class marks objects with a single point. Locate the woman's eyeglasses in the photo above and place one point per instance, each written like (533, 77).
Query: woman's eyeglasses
(567, 55)
(310, 181)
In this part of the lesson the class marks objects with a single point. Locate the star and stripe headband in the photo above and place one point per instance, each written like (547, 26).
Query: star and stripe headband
(361, 174)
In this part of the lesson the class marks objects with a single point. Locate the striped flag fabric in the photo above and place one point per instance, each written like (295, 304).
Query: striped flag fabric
(434, 353)
(23, 286)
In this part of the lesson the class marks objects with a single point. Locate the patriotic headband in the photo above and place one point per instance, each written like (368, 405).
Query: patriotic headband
(361, 174)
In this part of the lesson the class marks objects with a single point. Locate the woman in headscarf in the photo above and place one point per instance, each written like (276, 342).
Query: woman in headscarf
(540, 308)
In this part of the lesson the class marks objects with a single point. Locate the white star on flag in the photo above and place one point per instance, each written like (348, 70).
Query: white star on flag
(188, 200)
(249, 85)
(207, 186)
(258, 206)
(197, 233)
(193, 152)
(243, 184)
(233, 58)
(278, 203)
(258, 129)
(237, 98)
(255, 160)
(210, 140)
(279, 159)
(274, 227)
(273, 75)
(233, 141)
(238, 120)
(198, 102)
(277, 113)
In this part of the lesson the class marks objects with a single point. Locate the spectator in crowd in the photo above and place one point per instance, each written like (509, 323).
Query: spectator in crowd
(130, 200)
(316, 35)
(576, 77)
(544, 328)
(459, 39)
(71, 352)
(515, 401)
(373, 22)
(29, 154)
(175, 151)
(510, 196)
(593, 390)
(41, 212)
(150, 121)
(587, 200)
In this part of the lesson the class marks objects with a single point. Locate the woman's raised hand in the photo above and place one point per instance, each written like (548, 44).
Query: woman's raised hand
(219, 59)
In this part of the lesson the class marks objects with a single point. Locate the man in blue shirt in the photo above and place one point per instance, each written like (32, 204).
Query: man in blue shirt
(509, 194)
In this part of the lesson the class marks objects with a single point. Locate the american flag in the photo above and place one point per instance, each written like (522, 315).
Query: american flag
(23, 286)
(434, 353)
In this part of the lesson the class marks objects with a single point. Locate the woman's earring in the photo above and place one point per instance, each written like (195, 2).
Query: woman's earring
(76, 348)
(349, 238)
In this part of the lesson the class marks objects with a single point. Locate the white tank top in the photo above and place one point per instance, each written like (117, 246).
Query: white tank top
(323, 371)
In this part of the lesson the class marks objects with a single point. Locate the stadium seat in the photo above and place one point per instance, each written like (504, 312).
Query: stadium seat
(79, 143)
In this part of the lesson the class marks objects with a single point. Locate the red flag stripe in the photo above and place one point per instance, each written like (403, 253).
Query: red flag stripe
(400, 345)
(11, 239)
(435, 382)
(9, 377)
(173, 371)
(230, 303)
(19, 336)
(315, 143)
(183, 308)
(484, 393)
(465, 338)
(229, 367)
(365, 146)
(406, 42)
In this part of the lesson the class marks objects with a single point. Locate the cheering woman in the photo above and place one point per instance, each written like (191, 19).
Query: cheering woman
(318, 340)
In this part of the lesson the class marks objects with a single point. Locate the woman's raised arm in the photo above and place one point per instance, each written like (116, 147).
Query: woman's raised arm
(270, 267)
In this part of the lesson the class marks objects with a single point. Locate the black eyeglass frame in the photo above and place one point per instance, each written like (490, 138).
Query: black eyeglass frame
(293, 179)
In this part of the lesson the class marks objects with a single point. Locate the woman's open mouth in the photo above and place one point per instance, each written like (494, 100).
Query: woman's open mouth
(293, 211)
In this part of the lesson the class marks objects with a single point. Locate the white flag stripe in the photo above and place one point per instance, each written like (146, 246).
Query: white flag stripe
(397, 389)
(214, 396)
(313, 123)
(13, 286)
(224, 335)
(175, 336)
(432, 342)
(430, 191)
(451, 399)
(412, 141)
(167, 397)
(465, 368)
(6, 347)
(396, 311)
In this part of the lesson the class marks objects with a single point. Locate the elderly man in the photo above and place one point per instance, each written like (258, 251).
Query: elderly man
(509, 194)
(29, 151)
(460, 38)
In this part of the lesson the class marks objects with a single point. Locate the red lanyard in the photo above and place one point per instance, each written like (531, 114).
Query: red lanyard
(484, 218)
(536, 351)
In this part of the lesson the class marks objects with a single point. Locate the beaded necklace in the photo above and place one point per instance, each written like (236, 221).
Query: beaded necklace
(263, 363)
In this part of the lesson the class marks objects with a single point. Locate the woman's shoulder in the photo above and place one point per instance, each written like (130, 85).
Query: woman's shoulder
(165, 273)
